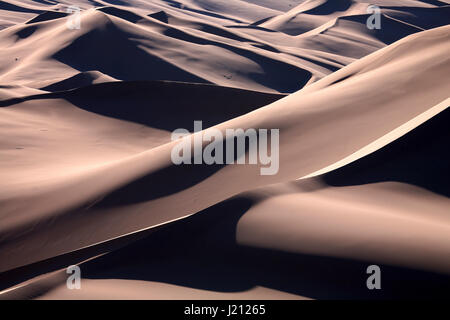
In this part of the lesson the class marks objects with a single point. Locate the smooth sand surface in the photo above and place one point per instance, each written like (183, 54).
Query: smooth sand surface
(86, 117)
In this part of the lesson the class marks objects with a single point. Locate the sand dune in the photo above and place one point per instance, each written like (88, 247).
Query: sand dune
(377, 191)
(87, 178)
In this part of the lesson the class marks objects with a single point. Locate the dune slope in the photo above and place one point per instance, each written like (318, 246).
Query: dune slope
(86, 175)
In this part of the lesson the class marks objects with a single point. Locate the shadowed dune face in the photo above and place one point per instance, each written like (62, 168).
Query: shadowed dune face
(86, 169)
(416, 159)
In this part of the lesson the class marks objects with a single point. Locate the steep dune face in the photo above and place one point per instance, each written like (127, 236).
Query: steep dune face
(170, 44)
(85, 148)
(312, 14)
(303, 115)
(380, 214)
(159, 52)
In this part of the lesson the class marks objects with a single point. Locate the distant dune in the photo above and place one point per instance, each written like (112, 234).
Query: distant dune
(86, 175)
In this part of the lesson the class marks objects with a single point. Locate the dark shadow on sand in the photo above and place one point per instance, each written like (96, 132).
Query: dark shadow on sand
(421, 158)
(164, 105)
(201, 252)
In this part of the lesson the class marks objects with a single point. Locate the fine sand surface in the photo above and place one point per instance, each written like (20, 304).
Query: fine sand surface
(86, 175)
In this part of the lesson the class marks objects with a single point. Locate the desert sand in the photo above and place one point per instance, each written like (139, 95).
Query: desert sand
(87, 179)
